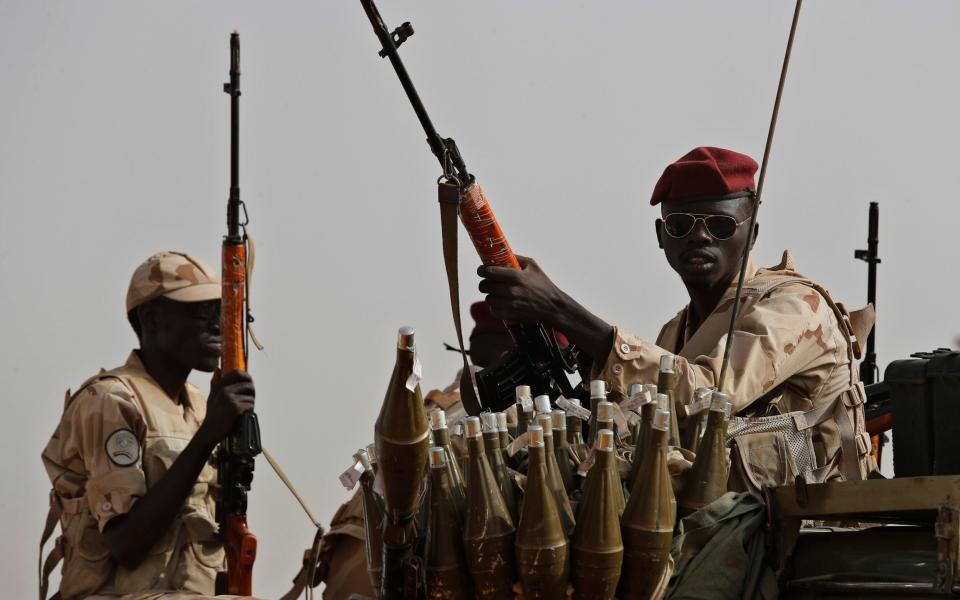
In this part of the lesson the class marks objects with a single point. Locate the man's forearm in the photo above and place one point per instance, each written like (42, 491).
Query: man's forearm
(583, 328)
(130, 537)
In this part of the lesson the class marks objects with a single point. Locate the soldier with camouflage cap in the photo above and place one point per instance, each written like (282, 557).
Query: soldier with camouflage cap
(794, 351)
(130, 459)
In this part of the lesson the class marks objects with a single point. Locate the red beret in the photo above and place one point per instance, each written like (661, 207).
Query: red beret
(484, 320)
(706, 172)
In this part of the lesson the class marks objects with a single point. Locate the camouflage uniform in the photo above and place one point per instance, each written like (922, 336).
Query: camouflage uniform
(794, 350)
(118, 436)
(343, 555)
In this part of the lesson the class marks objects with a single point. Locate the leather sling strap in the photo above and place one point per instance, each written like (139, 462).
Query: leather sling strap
(449, 200)
(45, 567)
(849, 456)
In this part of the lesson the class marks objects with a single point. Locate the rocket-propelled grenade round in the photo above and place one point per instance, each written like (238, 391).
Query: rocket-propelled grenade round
(542, 547)
(488, 530)
(401, 436)
(597, 545)
(649, 517)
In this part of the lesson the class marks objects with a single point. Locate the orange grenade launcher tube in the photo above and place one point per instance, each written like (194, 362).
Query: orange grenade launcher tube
(235, 456)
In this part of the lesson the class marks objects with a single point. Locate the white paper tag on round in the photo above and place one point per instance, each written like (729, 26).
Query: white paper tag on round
(414, 379)
(351, 476)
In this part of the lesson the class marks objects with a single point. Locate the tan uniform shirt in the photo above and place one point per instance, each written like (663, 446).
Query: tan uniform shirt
(344, 553)
(118, 436)
(790, 352)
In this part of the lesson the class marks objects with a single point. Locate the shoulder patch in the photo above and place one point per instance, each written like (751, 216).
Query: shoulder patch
(123, 448)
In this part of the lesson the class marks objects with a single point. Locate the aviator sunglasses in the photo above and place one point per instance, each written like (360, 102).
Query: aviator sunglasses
(721, 227)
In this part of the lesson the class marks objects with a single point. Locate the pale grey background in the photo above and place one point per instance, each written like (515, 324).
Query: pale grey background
(115, 138)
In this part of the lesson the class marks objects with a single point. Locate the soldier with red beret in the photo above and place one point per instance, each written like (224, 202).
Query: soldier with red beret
(794, 350)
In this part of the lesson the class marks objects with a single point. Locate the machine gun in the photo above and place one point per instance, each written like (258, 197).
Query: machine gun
(236, 454)
(538, 360)
(868, 368)
(878, 406)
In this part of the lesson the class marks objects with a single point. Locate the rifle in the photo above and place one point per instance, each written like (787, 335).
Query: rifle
(537, 360)
(868, 368)
(235, 456)
(878, 394)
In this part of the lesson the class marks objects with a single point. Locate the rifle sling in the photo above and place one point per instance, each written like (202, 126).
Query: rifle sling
(449, 200)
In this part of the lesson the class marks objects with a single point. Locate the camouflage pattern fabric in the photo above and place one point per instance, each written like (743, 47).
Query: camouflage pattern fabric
(793, 350)
(174, 275)
(118, 436)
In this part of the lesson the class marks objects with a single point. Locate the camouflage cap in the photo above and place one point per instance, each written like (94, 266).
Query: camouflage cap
(174, 275)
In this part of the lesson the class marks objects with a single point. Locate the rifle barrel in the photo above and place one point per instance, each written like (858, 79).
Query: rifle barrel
(233, 88)
(873, 243)
(438, 145)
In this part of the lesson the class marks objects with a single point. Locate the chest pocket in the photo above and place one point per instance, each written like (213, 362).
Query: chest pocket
(189, 554)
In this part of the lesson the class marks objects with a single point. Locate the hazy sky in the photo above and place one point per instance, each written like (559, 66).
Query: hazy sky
(115, 139)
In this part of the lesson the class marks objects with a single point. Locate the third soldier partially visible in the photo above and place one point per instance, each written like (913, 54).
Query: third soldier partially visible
(343, 560)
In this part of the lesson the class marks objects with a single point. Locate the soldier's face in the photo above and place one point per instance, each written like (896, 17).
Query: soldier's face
(700, 258)
(186, 332)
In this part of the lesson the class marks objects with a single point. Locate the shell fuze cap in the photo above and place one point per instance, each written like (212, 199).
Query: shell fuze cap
(706, 173)
(174, 275)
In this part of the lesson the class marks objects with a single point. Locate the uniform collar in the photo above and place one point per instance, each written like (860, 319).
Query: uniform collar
(786, 264)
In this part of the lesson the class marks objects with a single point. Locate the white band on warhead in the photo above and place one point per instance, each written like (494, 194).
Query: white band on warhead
(559, 419)
(663, 402)
(472, 426)
(522, 391)
(598, 388)
(661, 420)
(501, 421)
(535, 437)
(438, 457)
(364, 459)
(604, 439)
(546, 423)
(667, 362)
(489, 421)
(605, 411)
(719, 401)
(438, 419)
(542, 403)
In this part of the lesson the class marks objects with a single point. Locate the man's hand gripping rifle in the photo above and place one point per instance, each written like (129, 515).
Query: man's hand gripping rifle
(538, 360)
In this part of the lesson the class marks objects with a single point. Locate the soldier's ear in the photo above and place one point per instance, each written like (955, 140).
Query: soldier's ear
(146, 316)
(658, 225)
